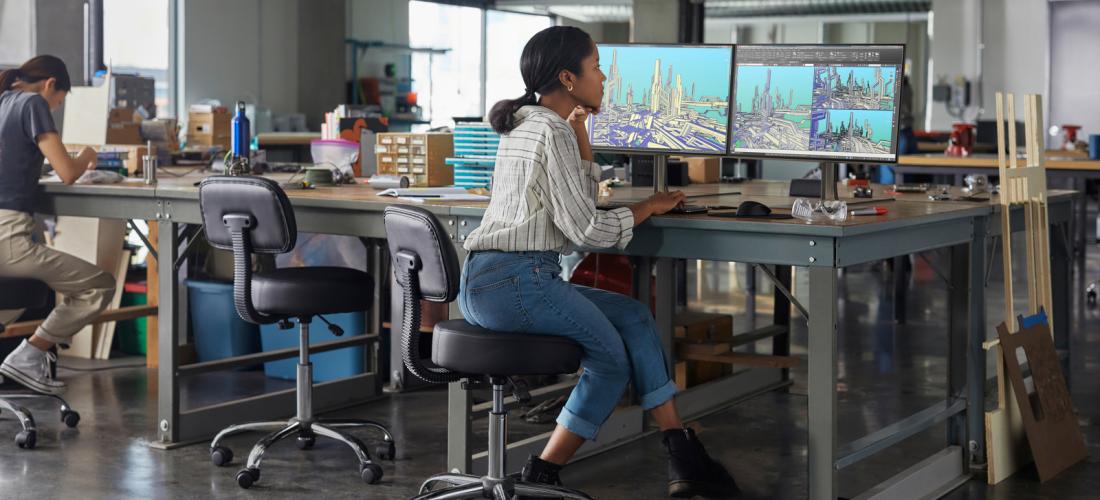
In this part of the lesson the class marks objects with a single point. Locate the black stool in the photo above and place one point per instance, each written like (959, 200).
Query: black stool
(253, 215)
(22, 293)
(426, 267)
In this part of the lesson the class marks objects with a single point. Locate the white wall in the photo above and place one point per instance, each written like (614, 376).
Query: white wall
(382, 20)
(1016, 49)
(1016, 34)
(655, 21)
(321, 58)
(283, 55)
(16, 31)
(278, 49)
(220, 57)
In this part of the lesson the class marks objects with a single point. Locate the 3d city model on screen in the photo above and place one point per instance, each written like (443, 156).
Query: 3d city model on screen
(817, 101)
(664, 98)
(773, 107)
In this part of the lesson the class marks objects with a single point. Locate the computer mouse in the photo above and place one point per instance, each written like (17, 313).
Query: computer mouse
(751, 208)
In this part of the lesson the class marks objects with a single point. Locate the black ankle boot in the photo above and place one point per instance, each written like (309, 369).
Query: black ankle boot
(539, 471)
(692, 472)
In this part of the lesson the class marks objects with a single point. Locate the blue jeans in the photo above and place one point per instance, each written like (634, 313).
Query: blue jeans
(523, 292)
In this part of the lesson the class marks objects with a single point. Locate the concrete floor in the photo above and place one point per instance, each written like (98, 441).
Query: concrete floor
(887, 372)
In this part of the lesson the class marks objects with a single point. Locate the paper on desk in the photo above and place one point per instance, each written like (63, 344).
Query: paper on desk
(441, 191)
(419, 195)
(93, 177)
(446, 197)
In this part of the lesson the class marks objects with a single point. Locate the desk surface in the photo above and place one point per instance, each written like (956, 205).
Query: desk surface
(904, 209)
(905, 212)
(990, 161)
(286, 138)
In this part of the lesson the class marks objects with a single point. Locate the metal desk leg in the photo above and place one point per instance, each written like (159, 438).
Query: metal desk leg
(1061, 268)
(822, 383)
(975, 354)
(900, 288)
(666, 307)
(965, 279)
(168, 397)
(459, 406)
(781, 344)
(750, 294)
(459, 429)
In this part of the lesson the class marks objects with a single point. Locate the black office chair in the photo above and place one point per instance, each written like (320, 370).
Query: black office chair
(426, 267)
(252, 215)
(21, 293)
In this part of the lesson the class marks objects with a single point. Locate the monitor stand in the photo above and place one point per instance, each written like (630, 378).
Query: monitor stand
(660, 173)
(660, 185)
(829, 192)
(828, 182)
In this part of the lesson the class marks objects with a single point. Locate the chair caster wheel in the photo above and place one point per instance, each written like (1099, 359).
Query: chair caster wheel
(247, 477)
(305, 442)
(386, 451)
(221, 455)
(70, 418)
(26, 439)
(371, 473)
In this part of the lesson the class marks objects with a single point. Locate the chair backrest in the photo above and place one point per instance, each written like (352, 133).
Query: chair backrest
(246, 215)
(272, 226)
(425, 266)
(416, 231)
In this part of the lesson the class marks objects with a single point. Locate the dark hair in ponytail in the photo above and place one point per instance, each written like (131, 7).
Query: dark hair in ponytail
(545, 56)
(35, 70)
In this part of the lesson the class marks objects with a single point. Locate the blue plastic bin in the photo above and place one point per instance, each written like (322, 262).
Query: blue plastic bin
(216, 328)
(327, 366)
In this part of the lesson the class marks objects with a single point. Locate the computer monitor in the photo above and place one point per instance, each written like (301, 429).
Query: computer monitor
(664, 99)
(822, 102)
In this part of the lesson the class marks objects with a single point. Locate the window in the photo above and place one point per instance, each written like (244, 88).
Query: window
(135, 41)
(447, 85)
(506, 34)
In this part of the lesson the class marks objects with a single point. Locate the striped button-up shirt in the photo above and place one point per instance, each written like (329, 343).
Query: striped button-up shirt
(544, 194)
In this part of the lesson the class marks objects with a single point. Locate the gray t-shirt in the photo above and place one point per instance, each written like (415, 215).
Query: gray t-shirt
(24, 116)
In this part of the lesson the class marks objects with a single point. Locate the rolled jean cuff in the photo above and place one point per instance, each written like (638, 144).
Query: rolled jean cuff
(44, 335)
(659, 396)
(578, 425)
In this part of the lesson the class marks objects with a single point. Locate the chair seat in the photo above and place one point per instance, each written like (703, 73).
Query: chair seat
(461, 347)
(304, 291)
(23, 293)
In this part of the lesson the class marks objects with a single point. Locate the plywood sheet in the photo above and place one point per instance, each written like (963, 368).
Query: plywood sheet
(1053, 433)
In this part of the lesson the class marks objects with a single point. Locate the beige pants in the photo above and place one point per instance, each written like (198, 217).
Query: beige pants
(85, 289)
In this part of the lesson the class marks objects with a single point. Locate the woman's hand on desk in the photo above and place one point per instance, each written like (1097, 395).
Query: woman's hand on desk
(87, 157)
(657, 204)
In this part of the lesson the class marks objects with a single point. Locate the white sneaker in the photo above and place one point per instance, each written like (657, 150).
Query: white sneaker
(30, 367)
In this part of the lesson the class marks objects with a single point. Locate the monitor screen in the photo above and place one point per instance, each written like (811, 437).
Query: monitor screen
(822, 102)
(664, 99)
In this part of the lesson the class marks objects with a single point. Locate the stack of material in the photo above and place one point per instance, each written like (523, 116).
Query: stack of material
(208, 126)
(475, 155)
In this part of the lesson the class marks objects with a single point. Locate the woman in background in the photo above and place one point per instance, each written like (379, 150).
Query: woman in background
(28, 135)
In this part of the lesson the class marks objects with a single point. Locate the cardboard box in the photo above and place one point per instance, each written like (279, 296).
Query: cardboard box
(124, 133)
(703, 169)
(209, 128)
(694, 326)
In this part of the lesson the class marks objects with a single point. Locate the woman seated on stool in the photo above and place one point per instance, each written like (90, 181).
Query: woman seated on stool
(544, 202)
(27, 135)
